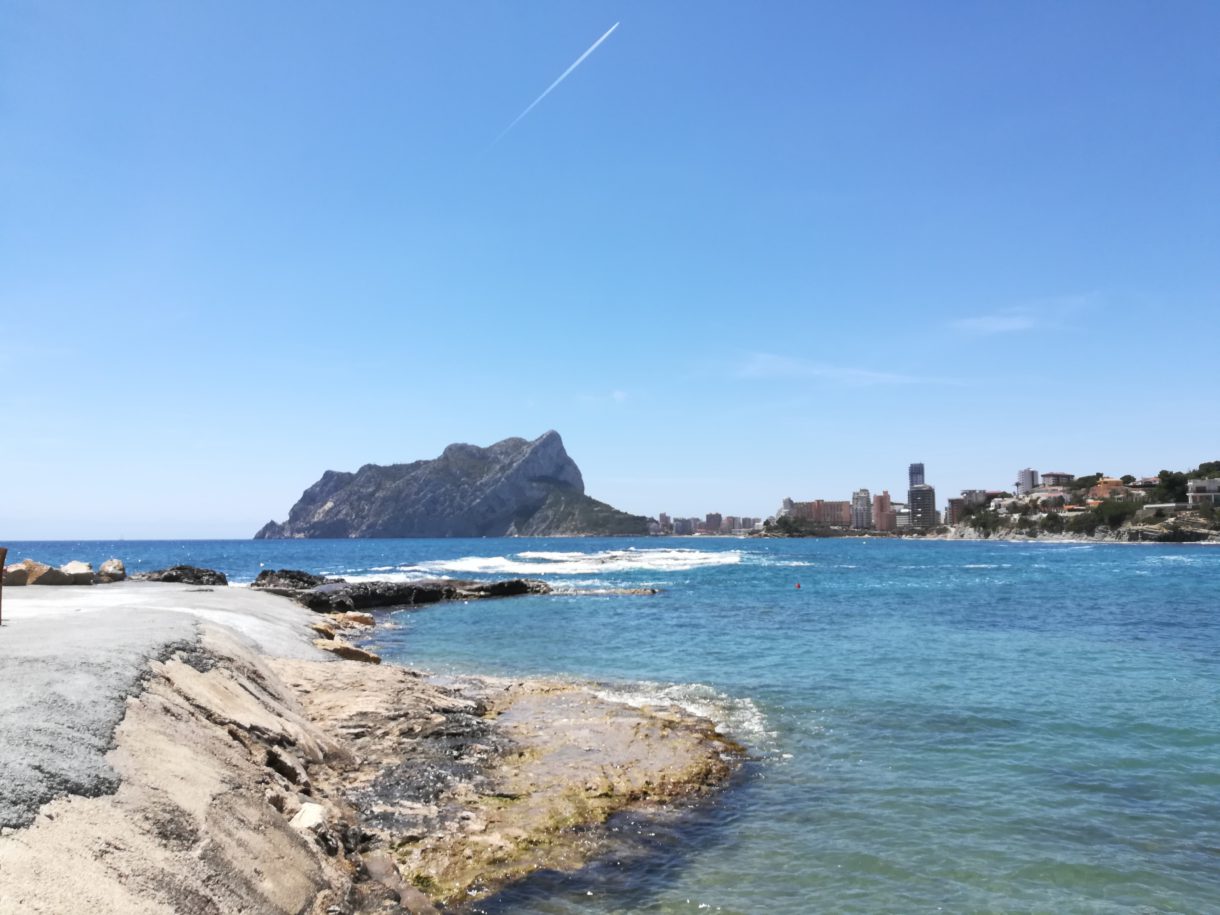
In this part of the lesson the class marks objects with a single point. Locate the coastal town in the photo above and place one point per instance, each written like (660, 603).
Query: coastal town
(1037, 502)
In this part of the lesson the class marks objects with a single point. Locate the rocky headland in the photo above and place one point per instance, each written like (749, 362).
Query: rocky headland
(512, 488)
(171, 748)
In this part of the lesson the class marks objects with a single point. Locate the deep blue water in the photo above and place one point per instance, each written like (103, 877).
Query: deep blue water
(966, 727)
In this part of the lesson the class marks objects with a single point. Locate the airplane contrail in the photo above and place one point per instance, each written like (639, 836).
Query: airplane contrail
(562, 77)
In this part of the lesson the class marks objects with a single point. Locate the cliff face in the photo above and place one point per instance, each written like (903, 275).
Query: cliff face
(512, 487)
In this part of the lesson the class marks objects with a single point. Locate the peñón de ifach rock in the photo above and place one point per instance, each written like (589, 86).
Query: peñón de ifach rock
(512, 487)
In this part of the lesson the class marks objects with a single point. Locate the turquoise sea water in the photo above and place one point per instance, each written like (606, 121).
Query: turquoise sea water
(958, 727)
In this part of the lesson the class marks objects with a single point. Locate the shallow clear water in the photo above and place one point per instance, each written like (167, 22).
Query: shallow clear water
(966, 727)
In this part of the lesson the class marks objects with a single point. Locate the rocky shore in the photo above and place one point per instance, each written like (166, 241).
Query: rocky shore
(231, 766)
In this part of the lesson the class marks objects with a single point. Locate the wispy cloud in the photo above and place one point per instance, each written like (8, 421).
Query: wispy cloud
(771, 365)
(1036, 314)
(562, 76)
(999, 323)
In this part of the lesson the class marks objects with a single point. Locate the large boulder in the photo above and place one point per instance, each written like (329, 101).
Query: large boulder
(112, 570)
(39, 573)
(16, 574)
(79, 573)
(185, 575)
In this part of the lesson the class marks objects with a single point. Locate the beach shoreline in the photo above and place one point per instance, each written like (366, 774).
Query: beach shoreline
(232, 764)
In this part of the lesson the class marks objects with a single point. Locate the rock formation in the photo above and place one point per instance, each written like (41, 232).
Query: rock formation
(112, 570)
(514, 487)
(184, 575)
(364, 595)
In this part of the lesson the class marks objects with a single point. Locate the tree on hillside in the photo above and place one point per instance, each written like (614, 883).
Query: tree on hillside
(1115, 513)
(1171, 487)
(1206, 470)
(1052, 523)
(1082, 483)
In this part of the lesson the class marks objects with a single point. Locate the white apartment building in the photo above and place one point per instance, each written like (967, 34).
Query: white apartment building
(1200, 491)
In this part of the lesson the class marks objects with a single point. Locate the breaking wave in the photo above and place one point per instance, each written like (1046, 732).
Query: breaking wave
(578, 563)
(739, 718)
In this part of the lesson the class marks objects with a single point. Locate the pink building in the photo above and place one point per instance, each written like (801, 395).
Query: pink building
(884, 517)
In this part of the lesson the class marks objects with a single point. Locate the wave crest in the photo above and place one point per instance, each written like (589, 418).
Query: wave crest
(737, 717)
(576, 563)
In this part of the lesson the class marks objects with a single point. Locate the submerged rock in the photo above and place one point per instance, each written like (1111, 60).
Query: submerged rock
(185, 575)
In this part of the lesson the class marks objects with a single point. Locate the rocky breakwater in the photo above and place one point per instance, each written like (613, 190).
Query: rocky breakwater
(368, 595)
(31, 572)
(343, 601)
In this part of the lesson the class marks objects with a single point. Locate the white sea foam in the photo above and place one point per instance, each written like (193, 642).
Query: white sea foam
(736, 717)
(387, 576)
(575, 563)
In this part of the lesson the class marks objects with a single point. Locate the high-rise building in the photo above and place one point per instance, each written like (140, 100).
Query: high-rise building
(954, 510)
(884, 517)
(861, 510)
(922, 499)
(915, 474)
(1027, 481)
(712, 522)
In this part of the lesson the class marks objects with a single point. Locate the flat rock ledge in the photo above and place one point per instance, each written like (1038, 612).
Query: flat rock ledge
(330, 788)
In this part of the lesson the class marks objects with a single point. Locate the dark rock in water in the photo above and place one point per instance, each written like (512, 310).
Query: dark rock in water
(514, 487)
(289, 582)
(342, 596)
(185, 575)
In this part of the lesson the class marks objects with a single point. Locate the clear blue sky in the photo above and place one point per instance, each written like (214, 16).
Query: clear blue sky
(744, 251)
